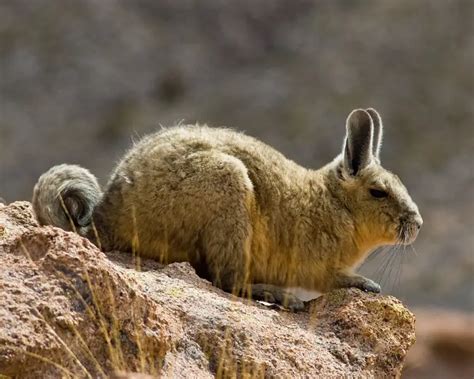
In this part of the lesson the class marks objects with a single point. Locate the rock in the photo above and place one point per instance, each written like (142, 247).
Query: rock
(444, 347)
(67, 308)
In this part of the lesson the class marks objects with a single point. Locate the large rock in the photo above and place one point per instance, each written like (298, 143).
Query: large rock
(66, 308)
(444, 346)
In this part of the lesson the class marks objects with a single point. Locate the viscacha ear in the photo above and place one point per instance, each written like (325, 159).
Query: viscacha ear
(378, 132)
(357, 151)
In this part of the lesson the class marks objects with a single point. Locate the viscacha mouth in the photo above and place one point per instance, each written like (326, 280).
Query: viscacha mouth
(407, 233)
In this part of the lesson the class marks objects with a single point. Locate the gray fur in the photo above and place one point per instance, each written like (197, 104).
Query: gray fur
(65, 196)
(245, 216)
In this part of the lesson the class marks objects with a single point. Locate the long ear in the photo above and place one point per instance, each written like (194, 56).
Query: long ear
(378, 132)
(358, 143)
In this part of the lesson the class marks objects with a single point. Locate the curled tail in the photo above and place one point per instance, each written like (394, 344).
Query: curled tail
(65, 196)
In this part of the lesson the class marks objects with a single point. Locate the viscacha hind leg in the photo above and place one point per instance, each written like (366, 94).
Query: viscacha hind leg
(227, 250)
(226, 237)
(277, 295)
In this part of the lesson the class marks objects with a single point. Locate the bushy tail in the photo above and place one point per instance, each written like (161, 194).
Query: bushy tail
(65, 196)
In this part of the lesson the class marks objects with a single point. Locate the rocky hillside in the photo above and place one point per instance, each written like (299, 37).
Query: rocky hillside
(67, 309)
(444, 346)
(80, 79)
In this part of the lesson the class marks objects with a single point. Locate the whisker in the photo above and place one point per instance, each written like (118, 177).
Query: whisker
(400, 272)
(400, 262)
(414, 250)
(388, 274)
(376, 253)
(391, 276)
(390, 268)
(384, 266)
(400, 269)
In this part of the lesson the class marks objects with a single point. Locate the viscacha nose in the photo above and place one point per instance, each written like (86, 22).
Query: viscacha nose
(418, 220)
(414, 217)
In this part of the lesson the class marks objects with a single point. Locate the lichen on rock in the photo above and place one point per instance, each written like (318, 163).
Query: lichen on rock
(67, 308)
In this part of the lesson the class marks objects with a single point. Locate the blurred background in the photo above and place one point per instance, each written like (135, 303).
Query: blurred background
(80, 79)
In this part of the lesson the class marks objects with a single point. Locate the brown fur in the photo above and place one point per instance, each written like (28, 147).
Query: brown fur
(242, 213)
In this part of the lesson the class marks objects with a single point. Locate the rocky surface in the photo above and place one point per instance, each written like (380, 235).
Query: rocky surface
(444, 345)
(68, 309)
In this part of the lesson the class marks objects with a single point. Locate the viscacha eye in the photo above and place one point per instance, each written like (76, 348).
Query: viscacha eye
(378, 193)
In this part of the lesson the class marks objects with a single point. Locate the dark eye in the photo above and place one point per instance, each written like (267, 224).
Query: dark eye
(378, 193)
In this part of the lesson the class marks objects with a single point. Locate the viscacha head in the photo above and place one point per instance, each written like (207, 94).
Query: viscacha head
(377, 200)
